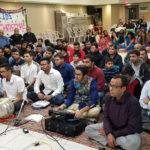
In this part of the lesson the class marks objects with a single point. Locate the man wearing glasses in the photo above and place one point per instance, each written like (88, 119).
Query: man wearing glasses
(122, 118)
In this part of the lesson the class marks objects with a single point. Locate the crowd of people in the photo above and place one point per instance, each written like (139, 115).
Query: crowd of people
(84, 79)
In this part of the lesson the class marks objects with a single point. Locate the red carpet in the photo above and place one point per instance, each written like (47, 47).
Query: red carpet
(82, 139)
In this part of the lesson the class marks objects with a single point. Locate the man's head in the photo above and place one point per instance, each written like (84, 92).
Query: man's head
(28, 29)
(13, 52)
(137, 47)
(134, 56)
(112, 50)
(40, 41)
(59, 42)
(7, 49)
(88, 61)
(143, 54)
(39, 49)
(118, 85)
(16, 31)
(59, 59)
(27, 57)
(1, 52)
(1, 32)
(76, 46)
(128, 72)
(64, 51)
(24, 44)
(65, 43)
(81, 72)
(94, 48)
(76, 57)
(29, 47)
(109, 63)
(18, 44)
(17, 55)
(5, 71)
(49, 53)
(45, 65)
(110, 43)
(88, 44)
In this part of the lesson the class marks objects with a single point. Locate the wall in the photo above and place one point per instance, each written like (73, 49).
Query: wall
(146, 15)
(41, 17)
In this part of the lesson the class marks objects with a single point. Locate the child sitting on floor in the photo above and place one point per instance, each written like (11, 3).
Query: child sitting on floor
(76, 60)
(109, 71)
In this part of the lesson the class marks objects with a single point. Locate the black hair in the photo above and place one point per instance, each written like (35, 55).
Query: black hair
(77, 54)
(143, 49)
(89, 57)
(39, 46)
(31, 46)
(40, 39)
(47, 41)
(128, 71)
(6, 66)
(45, 59)
(76, 43)
(109, 60)
(88, 41)
(95, 44)
(64, 49)
(7, 46)
(124, 80)
(14, 50)
(59, 40)
(26, 52)
(33, 53)
(59, 55)
(135, 52)
(83, 69)
(2, 49)
(64, 41)
(50, 50)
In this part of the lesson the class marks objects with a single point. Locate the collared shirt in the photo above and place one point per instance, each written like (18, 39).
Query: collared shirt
(73, 92)
(4, 41)
(14, 86)
(28, 72)
(145, 94)
(122, 117)
(52, 82)
(67, 72)
(98, 74)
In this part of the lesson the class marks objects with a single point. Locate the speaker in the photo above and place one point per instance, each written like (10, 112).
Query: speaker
(91, 10)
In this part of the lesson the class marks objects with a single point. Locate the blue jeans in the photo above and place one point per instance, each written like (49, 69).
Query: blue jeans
(56, 100)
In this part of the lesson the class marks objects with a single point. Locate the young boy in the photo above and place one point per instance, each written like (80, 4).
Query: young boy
(65, 54)
(109, 71)
(76, 60)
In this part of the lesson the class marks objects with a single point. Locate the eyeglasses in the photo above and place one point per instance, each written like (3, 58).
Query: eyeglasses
(114, 86)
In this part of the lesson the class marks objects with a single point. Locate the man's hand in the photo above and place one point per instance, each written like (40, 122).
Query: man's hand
(47, 97)
(61, 107)
(40, 96)
(78, 114)
(146, 100)
(102, 132)
(111, 140)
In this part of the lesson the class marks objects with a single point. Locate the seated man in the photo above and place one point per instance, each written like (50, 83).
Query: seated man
(122, 118)
(134, 86)
(83, 95)
(96, 73)
(53, 84)
(29, 71)
(145, 104)
(65, 69)
(13, 86)
(17, 62)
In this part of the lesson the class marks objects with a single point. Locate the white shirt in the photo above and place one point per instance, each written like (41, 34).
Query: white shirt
(28, 72)
(145, 94)
(14, 86)
(52, 81)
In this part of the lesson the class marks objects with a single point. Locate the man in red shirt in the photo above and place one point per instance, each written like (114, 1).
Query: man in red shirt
(144, 56)
(77, 49)
(95, 73)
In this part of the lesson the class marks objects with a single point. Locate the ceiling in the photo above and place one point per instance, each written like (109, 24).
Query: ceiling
(78, 2)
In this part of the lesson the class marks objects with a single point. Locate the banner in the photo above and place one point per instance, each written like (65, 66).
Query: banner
(11, 19)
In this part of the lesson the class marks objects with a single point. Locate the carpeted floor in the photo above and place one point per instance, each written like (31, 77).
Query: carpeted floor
(82, 139)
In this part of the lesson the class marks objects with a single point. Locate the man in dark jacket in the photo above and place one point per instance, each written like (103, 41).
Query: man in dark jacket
(29, 36)
(141, 69)
(112, 53)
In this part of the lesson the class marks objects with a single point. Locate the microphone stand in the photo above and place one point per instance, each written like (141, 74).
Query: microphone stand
(18, 120)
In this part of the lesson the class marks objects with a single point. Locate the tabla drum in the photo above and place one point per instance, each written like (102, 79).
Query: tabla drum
(6, 108)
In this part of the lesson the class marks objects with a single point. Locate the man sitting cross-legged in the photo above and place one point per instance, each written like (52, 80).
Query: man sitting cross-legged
(122, 118)
(83, 95)
(53, 84)
(13, 86)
